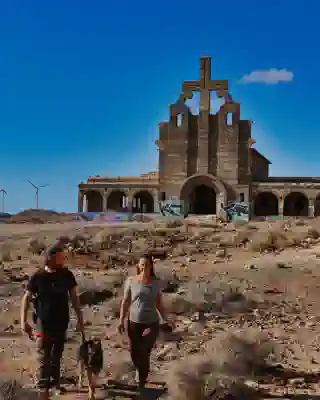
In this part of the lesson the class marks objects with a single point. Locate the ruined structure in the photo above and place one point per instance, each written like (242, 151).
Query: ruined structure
(205, 160)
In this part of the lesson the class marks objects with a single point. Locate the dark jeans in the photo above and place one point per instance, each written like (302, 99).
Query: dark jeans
(50, 350)
(141, 346)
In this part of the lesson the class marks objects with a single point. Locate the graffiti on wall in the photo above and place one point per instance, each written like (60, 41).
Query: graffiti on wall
(171, 208)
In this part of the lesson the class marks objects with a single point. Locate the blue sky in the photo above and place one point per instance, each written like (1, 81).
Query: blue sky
(84, 84)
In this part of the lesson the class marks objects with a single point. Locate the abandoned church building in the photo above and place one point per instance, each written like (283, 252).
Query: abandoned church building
(206, 160)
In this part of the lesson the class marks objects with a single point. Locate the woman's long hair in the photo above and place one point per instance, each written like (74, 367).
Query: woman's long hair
(149, 260)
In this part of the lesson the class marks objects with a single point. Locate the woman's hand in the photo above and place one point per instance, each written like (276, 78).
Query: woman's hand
(167, 327)
(121, 328)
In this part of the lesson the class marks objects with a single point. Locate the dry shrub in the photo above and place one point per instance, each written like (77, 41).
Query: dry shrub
(106, 237)
(188, 379)
(94, 296)
(252, 227)
(230, 359)
(239, 238)
(78, 240)
(204, 232)
(297, 237)
(141, 218)
(239, 224)
(7, 253)
(300, 222)
(244, 353)
(10, 389)
(313, 233)
(36, 246)
(113, 307)
(122, 370)
(208, 225)
(179, 251)
(173, 223)
(102, 239)
(196, 378)
(271, 240)
(217, 297)
(115, 279)
(164, 231)
(177, 304)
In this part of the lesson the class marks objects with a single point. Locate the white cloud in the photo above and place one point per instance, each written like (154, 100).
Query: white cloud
(271, 76)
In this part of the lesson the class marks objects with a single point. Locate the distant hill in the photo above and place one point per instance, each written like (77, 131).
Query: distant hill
(38, 216)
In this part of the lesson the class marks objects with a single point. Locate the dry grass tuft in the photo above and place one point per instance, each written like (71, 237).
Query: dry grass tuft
(7, 253)
(222, 371)
(270, 241)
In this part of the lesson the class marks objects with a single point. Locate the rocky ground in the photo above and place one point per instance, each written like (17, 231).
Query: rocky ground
(244, 299)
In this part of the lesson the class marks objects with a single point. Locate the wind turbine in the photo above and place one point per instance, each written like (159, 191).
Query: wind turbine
(3, 194)
(37, 192)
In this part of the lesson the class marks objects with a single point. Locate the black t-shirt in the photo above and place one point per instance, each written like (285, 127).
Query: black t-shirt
(52, 292)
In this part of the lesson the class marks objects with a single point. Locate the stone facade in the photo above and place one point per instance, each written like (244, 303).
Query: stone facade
(205, 160)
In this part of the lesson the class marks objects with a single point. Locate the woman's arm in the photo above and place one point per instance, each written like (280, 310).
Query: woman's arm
(160, 307)
(126, 302)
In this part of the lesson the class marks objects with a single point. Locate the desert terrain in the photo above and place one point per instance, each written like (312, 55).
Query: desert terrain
(243, 297)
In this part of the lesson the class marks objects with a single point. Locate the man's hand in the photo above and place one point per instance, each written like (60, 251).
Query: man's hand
(26, 328)
(80, 326)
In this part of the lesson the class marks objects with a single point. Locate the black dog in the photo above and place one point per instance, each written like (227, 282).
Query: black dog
(90, 358)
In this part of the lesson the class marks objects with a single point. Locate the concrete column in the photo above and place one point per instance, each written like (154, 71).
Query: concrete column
(311, 208)
(87, 204)
(107, 193)
(80, 201)
(104, 201)
(130, 201)
(156, 199)
(220, 200)
(280, 206)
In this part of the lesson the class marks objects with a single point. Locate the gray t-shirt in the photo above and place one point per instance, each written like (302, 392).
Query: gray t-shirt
(143, 308)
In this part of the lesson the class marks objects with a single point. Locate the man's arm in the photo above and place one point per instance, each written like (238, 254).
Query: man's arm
(75, 300)
(77, 308)
(25, 304)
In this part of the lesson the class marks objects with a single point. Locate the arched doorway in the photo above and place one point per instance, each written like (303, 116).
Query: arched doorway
(295, 205)
(117, 201)
(143, 202)
(200, 194)
(94, 201)
(266, 204)
(317, 206)
(203, 200)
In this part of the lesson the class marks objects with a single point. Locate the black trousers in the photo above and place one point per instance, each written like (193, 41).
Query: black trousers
(140, 345)
(50, 350)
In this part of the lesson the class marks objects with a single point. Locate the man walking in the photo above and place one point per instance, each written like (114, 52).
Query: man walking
(50, 288)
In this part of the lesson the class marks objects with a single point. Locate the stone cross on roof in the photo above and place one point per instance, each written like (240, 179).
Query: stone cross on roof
(205, 85)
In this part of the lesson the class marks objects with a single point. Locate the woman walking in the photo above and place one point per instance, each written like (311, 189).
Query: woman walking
(142, 304)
